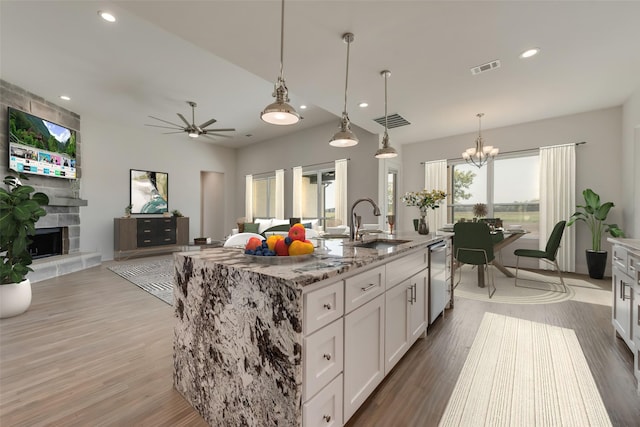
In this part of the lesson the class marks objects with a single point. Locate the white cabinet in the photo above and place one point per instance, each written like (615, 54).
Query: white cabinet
(397, 327)
(405, 317)
(363, 353)
(622, 296)
(325, 409)
(323, 306)
(323, 357)
(625, 314)
(418, 307)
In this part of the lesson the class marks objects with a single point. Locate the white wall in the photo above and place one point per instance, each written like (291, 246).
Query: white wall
(110, 150)
(311, 147)
(631, 164)
(598, 161)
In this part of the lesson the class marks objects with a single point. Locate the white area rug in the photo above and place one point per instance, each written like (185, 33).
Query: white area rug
(155, 277)
(533, 293)
(522, 373)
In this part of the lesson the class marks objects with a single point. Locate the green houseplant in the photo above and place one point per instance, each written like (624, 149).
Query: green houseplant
(594, 214)
(20, 209)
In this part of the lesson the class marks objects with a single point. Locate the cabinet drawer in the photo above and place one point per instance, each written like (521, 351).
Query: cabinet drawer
(325, 409)
(619, 257)
(405, 267)
(323, 306)
(633, 261)
(323, 357)
(363, 287)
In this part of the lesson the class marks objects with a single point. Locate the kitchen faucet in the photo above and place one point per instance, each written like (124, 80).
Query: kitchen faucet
(376, 212)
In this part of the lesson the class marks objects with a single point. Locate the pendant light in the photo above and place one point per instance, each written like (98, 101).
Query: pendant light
(480, 154)
(387, 151)
(280, 112)
(345, 137)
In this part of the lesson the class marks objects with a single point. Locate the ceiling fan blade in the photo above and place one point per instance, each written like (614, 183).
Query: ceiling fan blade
(184, 120)
(178, 126)
(207, 123)
(167, 133)
(209, 135)
(219, 130)
(166, 127)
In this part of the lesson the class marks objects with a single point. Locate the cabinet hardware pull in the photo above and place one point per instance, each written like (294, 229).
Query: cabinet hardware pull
(415, 292)
(327, 356)
(327, 418)
(327, 306)
(147, 231)
(371, 286)
(410, 300)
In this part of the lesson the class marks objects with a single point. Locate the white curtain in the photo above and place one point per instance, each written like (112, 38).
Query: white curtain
(558, 200)
(279, 194)
(248, 198)
(435, 178)
(341, 192)
(297, 192)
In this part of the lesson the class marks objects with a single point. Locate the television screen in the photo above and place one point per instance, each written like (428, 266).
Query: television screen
(40, 147)
(149, 192)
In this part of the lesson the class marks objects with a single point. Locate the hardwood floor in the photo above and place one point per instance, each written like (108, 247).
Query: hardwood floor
(94, 349)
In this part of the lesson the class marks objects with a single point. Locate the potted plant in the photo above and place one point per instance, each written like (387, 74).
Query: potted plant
(594, 214)
(20, 209)
(127, 210)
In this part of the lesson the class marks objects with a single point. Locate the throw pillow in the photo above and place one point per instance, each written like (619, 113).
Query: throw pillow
(251, 227)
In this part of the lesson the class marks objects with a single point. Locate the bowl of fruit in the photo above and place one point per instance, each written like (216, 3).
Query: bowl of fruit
(278, 249)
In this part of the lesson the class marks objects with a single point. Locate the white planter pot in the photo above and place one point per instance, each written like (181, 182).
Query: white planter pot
(15, 298)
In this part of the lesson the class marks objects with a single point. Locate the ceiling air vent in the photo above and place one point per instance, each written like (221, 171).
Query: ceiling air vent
(394, 121)
(485, 67)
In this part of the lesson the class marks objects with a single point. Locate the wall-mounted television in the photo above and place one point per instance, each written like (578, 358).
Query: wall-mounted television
(40, 147)
(149, 192)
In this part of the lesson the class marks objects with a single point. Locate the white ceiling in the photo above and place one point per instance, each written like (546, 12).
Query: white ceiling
(224, 55)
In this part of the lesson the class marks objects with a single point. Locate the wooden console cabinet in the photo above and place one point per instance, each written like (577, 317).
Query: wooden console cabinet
(136, 234)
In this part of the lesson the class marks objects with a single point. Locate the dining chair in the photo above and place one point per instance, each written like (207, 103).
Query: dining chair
(548, 255)
(473, 245)
(241, 239)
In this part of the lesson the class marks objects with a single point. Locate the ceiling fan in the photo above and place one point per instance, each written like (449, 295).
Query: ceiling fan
(192, 129)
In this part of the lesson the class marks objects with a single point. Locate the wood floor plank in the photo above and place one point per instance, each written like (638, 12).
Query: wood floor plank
(94, 349)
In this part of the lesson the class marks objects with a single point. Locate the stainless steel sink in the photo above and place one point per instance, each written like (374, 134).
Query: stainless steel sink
(380, 243)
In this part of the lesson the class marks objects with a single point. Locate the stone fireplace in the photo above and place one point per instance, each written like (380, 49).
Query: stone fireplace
(49, 241)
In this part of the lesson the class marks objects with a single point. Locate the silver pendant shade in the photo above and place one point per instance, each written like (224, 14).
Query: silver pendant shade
(280, 112)
(345, 136)
(480, 154)
(387, 151)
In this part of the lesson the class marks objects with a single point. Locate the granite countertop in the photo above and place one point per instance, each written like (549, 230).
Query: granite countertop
(633, 244)
(332, 257)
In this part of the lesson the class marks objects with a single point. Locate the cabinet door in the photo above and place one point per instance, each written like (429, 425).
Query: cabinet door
(622, 300)
(418, 306)
(363, 353)
(325, 409)
(323, 357)
(396, 321)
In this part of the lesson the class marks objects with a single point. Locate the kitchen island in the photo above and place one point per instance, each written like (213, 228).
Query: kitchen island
(295, 344)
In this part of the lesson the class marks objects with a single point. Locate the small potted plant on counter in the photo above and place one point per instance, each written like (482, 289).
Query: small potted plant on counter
(594, 214)
(20, 209)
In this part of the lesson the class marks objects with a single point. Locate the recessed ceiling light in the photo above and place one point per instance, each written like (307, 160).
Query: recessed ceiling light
(107, 16)
(303, 107)
(65, 98)
(530, 52)
(363, 105)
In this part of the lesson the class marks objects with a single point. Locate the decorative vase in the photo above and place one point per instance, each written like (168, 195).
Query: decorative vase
(15, 298)
(423, 226)
(596, 263)
(416, 222)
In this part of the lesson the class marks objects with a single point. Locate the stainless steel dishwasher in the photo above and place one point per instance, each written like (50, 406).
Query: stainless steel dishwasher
(437, 279)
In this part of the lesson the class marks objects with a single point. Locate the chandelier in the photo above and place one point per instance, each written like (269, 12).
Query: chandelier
(480, 154)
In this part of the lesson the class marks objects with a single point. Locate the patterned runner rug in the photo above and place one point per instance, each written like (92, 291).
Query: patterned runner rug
(522, 373)
(155, 277)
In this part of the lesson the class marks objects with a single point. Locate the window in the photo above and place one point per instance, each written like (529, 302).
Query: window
(509, 186)
(264, 197)
(392, 191)
(318, 196)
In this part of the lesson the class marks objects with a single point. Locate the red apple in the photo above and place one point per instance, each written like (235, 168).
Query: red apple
(281, 248)
(297, 232)
(253, 243)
